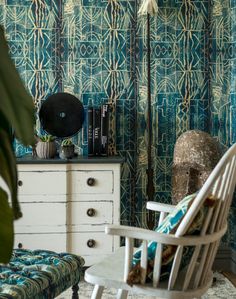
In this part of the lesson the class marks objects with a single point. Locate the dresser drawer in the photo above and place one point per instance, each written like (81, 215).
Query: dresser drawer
(42, 182)
(90, 243)
(55, 242)
(92, 182)
(89, 213)
(42, 217)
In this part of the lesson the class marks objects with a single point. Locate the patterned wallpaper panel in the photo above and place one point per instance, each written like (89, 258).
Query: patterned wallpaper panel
(222, 85)
(97, 50)
(33, 32)
(180, 93)
(98, 65)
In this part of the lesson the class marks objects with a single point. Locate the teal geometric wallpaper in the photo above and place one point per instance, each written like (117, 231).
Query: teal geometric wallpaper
(180, 81)
(96, 50)
(222, 85)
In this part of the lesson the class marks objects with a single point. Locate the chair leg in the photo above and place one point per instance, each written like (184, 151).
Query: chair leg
(97, 292)
(75, 289)
(122, 294)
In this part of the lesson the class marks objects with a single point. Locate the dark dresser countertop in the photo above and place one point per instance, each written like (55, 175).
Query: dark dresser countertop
(29, 159)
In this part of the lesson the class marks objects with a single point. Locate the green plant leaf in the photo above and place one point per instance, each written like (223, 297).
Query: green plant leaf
(17, 113)
(16, 104)
(8, 169)
(7, 229)
(66, 142)
(46, 138)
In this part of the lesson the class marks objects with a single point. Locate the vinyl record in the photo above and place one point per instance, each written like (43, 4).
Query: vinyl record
(61, 115)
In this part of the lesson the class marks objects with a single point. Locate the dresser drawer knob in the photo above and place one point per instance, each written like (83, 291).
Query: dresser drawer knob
(91, 243)
(91, 212)
(20, 183)
(20, 245)
(90, 181)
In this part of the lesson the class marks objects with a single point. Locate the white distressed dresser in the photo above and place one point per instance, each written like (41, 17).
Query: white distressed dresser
(66, 203)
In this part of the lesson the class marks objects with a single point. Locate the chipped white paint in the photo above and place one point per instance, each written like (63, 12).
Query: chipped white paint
(62, 212)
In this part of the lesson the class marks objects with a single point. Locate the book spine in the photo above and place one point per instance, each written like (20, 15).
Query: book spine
(90, 131)
(96, 131)
(104, 129)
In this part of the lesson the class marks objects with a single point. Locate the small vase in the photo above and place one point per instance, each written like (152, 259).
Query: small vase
(67, 151)
(46, 150)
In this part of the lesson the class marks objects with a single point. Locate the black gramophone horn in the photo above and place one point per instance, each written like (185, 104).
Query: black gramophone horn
(61, 115)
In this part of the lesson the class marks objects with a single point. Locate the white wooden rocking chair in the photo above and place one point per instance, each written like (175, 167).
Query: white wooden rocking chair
(196, 278)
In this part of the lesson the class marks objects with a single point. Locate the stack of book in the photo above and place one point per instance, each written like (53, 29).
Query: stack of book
(98, 128)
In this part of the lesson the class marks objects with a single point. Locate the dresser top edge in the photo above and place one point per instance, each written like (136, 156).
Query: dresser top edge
(29, 159)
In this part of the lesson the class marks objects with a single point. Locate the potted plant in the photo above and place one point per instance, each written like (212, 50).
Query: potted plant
(67, 149)
(16, 113)
(46, 147)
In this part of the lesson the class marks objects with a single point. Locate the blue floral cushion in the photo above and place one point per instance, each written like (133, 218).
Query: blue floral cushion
(39, 274)
(169, 226)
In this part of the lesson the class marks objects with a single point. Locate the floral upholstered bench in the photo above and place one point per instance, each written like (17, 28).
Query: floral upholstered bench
(40, 274)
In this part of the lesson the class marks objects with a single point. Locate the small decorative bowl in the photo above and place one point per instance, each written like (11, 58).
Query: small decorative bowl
(67, 151)
(46, 150)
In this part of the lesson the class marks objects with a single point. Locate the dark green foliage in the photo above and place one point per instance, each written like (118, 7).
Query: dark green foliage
(17, 113)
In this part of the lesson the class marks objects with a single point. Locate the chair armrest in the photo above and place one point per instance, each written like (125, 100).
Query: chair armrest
(145, 234)
(159, 207)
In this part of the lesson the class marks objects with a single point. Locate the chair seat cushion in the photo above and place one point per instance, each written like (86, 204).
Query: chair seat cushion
(39, 274)
(169, 226)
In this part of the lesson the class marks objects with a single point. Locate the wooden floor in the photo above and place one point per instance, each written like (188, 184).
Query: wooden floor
(231, 276)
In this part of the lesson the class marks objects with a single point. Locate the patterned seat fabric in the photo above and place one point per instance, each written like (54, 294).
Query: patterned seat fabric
(39, 274)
